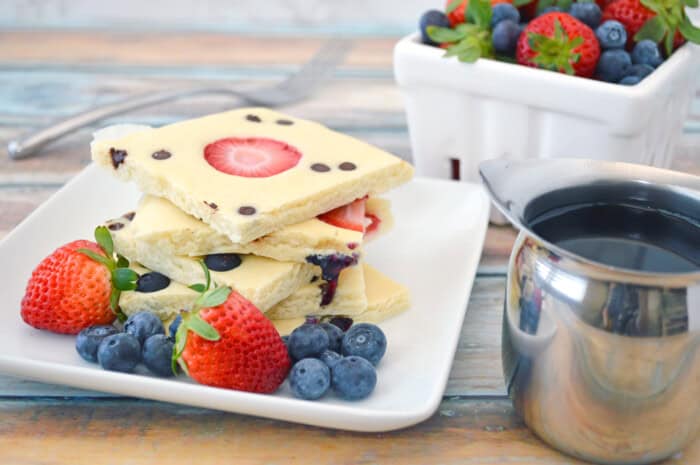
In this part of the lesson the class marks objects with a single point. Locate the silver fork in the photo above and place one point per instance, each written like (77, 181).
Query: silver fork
(295, 87)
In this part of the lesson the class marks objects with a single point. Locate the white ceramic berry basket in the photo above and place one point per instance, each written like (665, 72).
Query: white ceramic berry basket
(461, 114)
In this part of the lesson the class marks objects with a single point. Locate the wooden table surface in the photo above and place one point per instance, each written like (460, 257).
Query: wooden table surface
(48, 74)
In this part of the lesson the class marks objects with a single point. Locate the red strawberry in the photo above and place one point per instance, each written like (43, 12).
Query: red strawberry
(456, 16)
(350, 216)
(633, 15)
(231, 345)
(559, 42)
(251, 157)
(69, 291)
(374, 222)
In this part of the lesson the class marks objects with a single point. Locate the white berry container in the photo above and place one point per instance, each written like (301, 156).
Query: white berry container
(462, 114)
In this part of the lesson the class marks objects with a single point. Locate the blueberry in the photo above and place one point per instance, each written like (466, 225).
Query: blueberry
(503, 11)
(119, 352)
(310, 379)
(587, 12)
(342, 322)
(89, 339)
(157, 353)
(365, 340)
(630, 80)
(330, 358)
(285, 339)
(646, 52)
(307, 341)
(640, 71)
(505, 36)
(613, 65)
(353, 378)
(174, 325)
(549, 9)
(335, 336)
(152, 282)
(611, 35)
(331, 265)
(142, 325)
(222, 261)
(431, 18)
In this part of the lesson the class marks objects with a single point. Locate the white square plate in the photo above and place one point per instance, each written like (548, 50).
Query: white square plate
(434, 250)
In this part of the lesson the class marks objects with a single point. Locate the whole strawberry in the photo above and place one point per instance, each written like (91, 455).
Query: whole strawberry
(73, 288)
(659, 20)
(227, 342)
(559, 42)
(456, 9)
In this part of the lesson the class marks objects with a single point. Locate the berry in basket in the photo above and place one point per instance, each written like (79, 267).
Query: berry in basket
(615, 41)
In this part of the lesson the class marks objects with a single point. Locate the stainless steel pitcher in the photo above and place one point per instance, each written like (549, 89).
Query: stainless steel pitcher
(601, 362)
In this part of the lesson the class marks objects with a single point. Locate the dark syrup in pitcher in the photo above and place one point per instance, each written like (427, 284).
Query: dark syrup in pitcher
(635, 237)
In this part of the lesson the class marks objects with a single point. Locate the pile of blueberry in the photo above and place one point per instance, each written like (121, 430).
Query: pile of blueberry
(142, 340)
(335, 355)
(616, 64)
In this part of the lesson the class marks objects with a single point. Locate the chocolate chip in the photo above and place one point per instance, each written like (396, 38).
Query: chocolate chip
(314, 279)
(347, 166)
(115, 226)
(161, 155)
(211, 204)
(118, 157)
(253, 118)
(285, 122)
(320, 167)
(129, 216)
(247, 210)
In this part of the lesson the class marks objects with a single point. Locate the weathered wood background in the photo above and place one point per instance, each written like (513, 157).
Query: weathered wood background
(51, 73)
(385, 17)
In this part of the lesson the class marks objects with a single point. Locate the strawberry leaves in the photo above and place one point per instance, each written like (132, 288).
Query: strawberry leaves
(670, 18)
(688, 30)
(563, 5)
(207, 277)
(123, 278)
(192, 321)
(203, 329)
(471, 40)
(453, 5)
(555, 53)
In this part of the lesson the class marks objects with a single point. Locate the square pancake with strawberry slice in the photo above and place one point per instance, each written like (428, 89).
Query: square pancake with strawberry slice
(334, 236)
(251, 171)
(263, 281)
